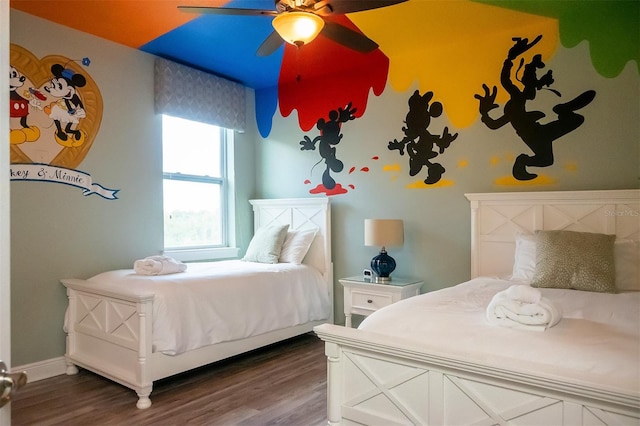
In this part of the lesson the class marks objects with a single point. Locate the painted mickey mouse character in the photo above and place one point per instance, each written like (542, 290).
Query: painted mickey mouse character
(329, 137)
(419, 141)
(537, 136)
(19, 108)
(68, 109)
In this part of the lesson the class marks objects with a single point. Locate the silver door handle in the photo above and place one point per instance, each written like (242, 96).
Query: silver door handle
(10, 383)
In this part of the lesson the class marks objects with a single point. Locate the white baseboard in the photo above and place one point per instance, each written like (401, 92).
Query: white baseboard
(43, 369)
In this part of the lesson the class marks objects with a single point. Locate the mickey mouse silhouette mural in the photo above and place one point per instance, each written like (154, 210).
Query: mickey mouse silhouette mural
(330, 136)
(419, 142)
(537, 136)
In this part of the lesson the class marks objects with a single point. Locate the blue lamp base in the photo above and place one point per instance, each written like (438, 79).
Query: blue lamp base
(383, 265)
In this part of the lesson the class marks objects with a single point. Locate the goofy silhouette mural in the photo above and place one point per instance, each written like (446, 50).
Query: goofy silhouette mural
(537, 136)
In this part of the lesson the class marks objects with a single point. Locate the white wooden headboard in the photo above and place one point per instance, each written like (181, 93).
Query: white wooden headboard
(302, 214)
(497, 218)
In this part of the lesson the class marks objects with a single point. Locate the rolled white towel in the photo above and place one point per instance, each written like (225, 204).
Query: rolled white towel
(524, 293)
(523, 307)
(158, 265)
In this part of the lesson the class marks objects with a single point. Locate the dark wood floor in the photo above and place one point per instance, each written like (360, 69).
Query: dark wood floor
(283, 384)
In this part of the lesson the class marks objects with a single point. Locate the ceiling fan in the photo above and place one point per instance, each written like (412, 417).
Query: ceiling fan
(299, 21)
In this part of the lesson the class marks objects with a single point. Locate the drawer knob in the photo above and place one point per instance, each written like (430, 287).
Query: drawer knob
(369, 301)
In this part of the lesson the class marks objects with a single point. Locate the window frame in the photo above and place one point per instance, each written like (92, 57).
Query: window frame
(228, 247)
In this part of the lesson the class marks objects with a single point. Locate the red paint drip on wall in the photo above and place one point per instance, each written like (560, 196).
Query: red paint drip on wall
(321, 189)
(327, 76)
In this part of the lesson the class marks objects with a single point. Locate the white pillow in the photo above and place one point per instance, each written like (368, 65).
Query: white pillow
(296, 246)
(524, 264)
(266, 244)
(626, 255)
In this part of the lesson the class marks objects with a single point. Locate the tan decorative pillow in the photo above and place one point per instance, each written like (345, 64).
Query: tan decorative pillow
(575, 260)
(266, 244)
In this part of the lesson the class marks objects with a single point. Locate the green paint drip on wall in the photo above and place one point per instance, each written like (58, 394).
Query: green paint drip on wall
(612, 27)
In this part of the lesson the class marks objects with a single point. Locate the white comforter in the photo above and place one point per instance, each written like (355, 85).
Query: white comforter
(597, 342)
(220, 301)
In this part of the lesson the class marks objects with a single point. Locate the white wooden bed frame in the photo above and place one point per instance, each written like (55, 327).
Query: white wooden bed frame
(111, 333)
(381, 380)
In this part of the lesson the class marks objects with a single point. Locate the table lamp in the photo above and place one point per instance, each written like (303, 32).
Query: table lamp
(383, 233)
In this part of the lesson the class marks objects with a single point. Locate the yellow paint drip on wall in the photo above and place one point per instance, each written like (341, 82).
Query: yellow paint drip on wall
(395, 167)
(511, 181)
(460, 46)
(419, 184)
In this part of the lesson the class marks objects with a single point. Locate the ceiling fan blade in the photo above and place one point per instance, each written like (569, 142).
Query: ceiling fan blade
(270, 44)
(348, 37)
(227, 11)
(340, 7)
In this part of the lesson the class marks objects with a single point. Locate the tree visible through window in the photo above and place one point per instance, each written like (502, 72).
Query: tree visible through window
(194, 171)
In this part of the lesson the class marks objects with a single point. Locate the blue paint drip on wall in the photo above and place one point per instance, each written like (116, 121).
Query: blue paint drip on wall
(266, 104)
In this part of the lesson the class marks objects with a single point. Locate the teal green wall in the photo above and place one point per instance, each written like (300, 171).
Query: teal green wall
(56, 232)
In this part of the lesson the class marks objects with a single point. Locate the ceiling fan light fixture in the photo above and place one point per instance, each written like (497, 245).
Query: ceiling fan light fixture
(298, 28)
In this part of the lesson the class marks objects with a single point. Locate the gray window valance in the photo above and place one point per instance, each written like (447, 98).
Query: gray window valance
(195, 95)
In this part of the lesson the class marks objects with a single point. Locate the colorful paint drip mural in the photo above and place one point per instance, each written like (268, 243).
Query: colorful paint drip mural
(55, 114)
(432, 43)
(483, 61)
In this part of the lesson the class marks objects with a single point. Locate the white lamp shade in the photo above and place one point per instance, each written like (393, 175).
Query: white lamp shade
(383, 232)
(298, 28)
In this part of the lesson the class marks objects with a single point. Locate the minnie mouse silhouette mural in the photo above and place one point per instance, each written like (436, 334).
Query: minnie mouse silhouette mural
(55, 114)
(419, 142)
(330, 136)
(537, 136)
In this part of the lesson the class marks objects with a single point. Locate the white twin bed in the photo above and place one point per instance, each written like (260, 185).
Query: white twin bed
(136, 328)
(435, 359)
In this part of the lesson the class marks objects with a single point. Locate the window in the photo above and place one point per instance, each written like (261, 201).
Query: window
(197, 197)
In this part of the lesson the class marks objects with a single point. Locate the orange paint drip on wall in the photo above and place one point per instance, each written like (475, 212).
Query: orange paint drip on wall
(104, 18)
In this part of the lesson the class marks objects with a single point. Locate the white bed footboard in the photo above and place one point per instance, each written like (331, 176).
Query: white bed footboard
(110, 334)
(375, 379)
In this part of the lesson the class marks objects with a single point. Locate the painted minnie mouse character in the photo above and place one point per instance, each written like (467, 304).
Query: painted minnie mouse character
(67, 111)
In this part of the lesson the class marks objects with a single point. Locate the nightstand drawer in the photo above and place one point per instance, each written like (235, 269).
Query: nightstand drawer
(363, 297)
(368, 301)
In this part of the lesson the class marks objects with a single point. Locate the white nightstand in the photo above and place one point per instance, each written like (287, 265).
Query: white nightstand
(363, 297)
